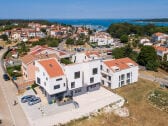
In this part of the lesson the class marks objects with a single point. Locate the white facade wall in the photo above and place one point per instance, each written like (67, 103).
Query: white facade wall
(79, 58)
(115, 82)
(86, 72)
(48, 83)
(102, 40)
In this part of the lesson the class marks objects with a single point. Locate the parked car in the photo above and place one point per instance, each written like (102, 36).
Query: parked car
(34, 101)
(27, 98)
(6, 77)
(1, 47)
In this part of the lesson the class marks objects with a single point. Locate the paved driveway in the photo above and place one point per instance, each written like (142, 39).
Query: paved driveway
(88, 103)
(11, 115)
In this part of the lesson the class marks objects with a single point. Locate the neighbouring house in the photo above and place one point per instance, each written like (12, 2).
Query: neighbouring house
(161, 52)
(145, 42)
(84, 57)
(102, 39)
(116, 73)
(160, 37)
(28, 67)
(48, 50)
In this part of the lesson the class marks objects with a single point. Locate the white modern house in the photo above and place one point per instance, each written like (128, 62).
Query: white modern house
(51, 78)
(102, 39)
(84, 75)
(116, 73)
(59, 80)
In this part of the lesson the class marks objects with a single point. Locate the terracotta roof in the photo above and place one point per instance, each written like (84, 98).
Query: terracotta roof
(88, 53)
(122, 63)
(159, 34)
(160, 48)
(52, 67)
(28, 59)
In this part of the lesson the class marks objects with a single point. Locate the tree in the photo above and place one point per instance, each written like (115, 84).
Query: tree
(53, 43)
(124, 52)
(124, 38)
(4, 37)
(148, 58)
(69, 41)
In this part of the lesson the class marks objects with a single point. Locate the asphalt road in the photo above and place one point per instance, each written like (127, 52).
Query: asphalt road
(11, 115)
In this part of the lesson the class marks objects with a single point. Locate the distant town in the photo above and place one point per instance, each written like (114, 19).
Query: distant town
(58, 74)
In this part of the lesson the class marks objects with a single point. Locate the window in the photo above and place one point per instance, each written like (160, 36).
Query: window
(77, 75)
(122, 83)
(95, 71)
(122, 77)
(43, 74)
(107, 70)
(46, 78)
(128, 81)
(64, 84)
(92, 80)
(44, 83)
(56, 86)
(58, 79)
(128, 75)
(78, 90)
(109, 84)
(72, 84)
(38, 80)
(101, 67)
(109, 78)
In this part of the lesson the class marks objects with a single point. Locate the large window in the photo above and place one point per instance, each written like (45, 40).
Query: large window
(38, 80)
(128, 75)
(59, 79)
(101, 67)
(56, 86)
(77, 75)
(122, 77)
(72, 84)
(109, 78)
(92, 80)
(95, 70)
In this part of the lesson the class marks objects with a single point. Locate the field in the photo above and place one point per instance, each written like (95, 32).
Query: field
(142, 113)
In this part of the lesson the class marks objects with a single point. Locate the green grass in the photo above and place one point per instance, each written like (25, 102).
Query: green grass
(11, 69)
(142, 113)
(159, 99)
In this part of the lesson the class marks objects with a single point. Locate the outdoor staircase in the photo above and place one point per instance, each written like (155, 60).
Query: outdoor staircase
(41, 95)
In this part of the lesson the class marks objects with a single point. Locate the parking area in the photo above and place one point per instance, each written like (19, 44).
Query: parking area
(46, 115)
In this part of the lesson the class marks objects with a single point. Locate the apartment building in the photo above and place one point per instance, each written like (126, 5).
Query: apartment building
(72, 80)
(116, 73)
(102, 39)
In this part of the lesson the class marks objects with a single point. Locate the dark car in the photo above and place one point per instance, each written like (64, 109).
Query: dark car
(34, 101)
(27, 98)
(6, 77)
(1, 47)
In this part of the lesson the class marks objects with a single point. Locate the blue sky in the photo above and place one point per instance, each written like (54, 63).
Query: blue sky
(71, 9)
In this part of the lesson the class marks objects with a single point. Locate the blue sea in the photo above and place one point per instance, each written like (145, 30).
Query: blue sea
(103, 24)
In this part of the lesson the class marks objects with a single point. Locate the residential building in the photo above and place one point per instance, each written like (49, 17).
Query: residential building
(159, 37)
(51, 78)
(161, 51)
(102, 38)
(116, 73)
(68, 80)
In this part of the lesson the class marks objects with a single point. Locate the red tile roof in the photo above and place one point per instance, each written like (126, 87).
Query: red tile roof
(160, 48)
(52, 67)
(120, 63)
(88, 53)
